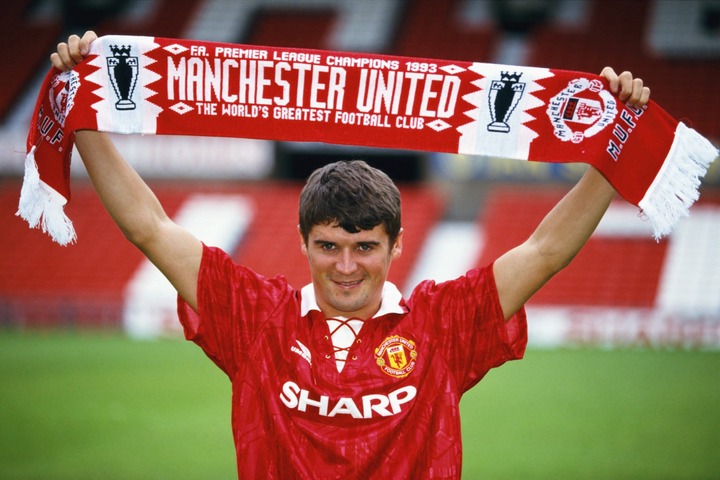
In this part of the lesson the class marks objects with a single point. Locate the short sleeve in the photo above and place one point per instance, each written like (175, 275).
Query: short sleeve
(468, 320)
(233, 302)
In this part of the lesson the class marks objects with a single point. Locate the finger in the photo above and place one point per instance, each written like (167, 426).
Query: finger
(74, 50)
(61, 57)
(87, 38)
(56, 62)
(645, 97)
(611, 77)
(626, 86)
(636, 93)
(639, 98)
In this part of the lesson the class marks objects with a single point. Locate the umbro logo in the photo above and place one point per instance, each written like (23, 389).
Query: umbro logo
(302, 350)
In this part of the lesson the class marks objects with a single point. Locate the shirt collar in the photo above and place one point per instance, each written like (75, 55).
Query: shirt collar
(391, 300)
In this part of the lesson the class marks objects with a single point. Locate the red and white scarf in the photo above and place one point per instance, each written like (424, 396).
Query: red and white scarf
(163, 86)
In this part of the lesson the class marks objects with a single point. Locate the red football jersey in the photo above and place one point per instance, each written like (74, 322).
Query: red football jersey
(393, 410)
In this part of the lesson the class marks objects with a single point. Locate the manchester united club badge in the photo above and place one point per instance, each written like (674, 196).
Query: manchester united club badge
(63, 88)
(396, 356)
(581, 110)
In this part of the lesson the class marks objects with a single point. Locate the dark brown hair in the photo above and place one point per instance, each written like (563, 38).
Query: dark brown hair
(353, 195)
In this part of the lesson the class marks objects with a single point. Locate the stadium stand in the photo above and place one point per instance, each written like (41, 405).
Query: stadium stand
(162, 18)
(686, 87)
(275, 28)
(432, 29)
(17, 23)
(620, 270)
(43, 284)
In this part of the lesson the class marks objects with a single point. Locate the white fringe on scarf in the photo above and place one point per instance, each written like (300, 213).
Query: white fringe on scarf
(42, 207)
(676, 185)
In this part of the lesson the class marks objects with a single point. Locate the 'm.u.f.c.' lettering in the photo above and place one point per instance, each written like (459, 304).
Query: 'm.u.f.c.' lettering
(622, 130)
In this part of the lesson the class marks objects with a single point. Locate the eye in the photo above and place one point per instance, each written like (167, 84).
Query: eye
(327, 246)
(365, 247)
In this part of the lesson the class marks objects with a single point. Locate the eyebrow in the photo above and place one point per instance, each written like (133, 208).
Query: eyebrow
(363, 242)
(373, 243)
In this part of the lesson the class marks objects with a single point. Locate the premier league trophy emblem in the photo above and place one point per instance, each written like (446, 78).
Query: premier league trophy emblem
(123, 72)
(504, 97)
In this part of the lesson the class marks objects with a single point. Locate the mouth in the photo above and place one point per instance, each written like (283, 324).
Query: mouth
(347, 284)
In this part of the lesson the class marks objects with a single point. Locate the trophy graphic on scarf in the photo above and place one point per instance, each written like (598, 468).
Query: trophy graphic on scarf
(504, 97)
(123, 73)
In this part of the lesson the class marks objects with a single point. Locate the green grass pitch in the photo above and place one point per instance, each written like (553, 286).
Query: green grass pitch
(96, 405)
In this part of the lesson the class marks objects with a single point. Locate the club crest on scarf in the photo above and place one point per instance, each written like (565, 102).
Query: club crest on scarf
(63, 88)
(123, 73)
(581, 110)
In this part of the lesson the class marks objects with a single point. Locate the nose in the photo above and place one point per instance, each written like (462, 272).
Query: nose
(346, 262)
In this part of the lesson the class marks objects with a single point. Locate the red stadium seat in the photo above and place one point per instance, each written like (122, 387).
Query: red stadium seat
(617, 271)
(84, 283)
(29, 50)
(684, 87)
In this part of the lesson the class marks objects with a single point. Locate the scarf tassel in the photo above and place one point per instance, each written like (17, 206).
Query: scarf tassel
(676, 186)
(42, 207)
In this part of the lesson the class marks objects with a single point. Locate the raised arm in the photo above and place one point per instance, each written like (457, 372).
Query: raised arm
(523, 270)
(129, 201)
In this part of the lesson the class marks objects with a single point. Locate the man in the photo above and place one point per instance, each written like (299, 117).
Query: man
(344, 378)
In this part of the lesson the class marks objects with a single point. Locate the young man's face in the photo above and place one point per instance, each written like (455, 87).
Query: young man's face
(349, 269)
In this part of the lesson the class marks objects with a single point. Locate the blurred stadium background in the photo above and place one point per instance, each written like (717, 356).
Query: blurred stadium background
(459, 211)
(625, 290)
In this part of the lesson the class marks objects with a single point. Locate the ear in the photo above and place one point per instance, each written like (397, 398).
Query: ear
(397, 248)
(303, 245)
